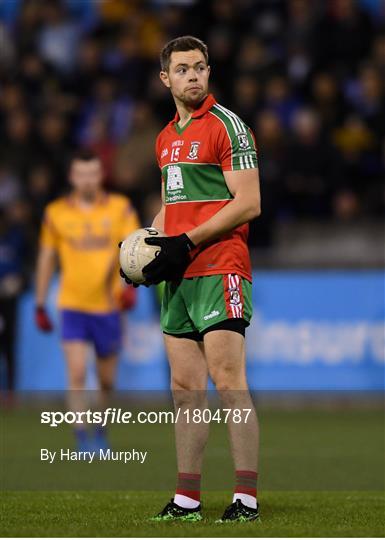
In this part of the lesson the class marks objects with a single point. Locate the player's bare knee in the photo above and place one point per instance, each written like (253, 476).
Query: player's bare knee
(180, 384)
(187, 383)
(225, 376)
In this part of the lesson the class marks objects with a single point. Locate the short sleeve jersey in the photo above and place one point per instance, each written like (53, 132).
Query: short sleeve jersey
(86, 242)
(192, 160)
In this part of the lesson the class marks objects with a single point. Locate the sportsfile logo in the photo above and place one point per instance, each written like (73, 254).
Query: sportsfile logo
(211, 315)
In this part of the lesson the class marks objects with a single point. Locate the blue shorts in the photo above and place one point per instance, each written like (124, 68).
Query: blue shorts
(102, 330)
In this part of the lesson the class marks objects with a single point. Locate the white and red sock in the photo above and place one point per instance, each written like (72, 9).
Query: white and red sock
(246, 488)
(188, 490)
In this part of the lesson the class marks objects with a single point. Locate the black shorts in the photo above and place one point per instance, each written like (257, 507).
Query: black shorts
(233, 325)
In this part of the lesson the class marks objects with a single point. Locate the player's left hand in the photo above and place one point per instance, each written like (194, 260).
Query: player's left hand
(127, 298)
(172, 260)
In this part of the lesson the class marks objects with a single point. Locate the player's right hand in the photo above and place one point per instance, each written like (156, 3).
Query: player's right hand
(127, 280)
(130, 282)
(42, 320)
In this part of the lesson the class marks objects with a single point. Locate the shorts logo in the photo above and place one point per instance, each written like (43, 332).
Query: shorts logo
(243, 141)
(211, 315)
(234, 296)
(174, 178)
(193, 153)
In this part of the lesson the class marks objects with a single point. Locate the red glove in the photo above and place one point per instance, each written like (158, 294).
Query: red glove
(42, 320)
(127, 298)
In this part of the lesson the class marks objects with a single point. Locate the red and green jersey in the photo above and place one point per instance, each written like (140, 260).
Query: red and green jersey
(192, 160)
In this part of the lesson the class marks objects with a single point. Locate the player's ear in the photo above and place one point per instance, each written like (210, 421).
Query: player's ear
(102, 173)
(163, 75)
(209, 69)
(70, 176)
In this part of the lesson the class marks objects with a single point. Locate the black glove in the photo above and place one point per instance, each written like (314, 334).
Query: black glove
(172, 261)
(128, 280)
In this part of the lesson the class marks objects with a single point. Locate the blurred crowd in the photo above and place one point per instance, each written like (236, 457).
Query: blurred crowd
(306, 75)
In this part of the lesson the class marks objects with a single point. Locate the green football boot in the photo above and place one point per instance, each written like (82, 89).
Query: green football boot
(238, 512)
(173, 512)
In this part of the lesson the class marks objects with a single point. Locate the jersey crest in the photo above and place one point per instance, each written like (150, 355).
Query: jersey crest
(193, 153)
(243, 141)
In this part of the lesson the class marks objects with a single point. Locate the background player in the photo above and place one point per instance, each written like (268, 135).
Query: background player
(210, 191)
(82, 230)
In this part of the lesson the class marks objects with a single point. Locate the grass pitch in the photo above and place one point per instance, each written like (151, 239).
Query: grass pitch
(322, 474)
(119, 514)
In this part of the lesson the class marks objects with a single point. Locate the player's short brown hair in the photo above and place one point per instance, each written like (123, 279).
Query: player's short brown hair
(183, 43)
(84, 154)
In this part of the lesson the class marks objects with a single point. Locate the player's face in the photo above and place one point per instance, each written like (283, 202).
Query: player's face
(187, 77)
(86, 177)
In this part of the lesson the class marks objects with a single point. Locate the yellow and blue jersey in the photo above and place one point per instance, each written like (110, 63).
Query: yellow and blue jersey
(86, 241)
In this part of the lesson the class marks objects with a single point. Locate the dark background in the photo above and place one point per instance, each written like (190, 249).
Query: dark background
(307, 76)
